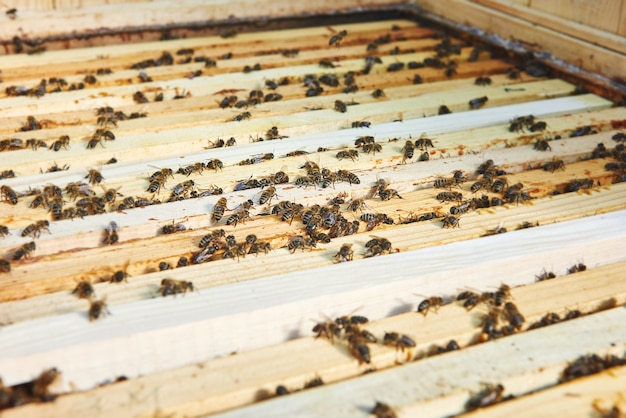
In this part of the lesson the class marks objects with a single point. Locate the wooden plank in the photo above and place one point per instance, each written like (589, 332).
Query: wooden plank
(116, 17)
(602, 36)
(594, 59)
(157, 328)
(621, 30)
(600, 14)
(234, 381)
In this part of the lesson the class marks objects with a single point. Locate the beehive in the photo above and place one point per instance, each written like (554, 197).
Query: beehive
(225, 345)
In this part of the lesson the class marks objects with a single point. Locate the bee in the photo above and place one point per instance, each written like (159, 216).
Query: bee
(537, 127)
(214, 164)
(542, 145)
(94, 176)
(267, 195)
(4, 230)
(576, 268)
(372, 148)
(219, 209)
(329, 329)
(190, 169)
(337, 38)
(242, 116)
(490, 395)
(470, 299)
(299, 242)
(361, 124)
(5, 266)
(239, 216)
(400, 341)
(351, 153)
(341, 106)
(451, 221)
(378, 93)
(228, 102)
(139, 97)
(55, 168)
(120, 275)
(9, 194)
(424, 143)
(163, 265)
(485, 166)
(553, 165)
(34, 230)
(344, 254)
(183, 188)
(482, 81)
(499, 185)
(362, 140)
(377, 246)
(84, 290)
(358, 349)
(433, 302)
(450, 197)
(24, 251)
(34, 144)
(173, 228)
(173, 287)
(443, 183)
(396, 66)
(512, 314)
(387, 194)
(97, 309)
(478, 102)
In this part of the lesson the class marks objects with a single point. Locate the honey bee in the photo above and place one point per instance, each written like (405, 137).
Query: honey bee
(443, 183)
(242, 116)
(139, 97)
(34, 144)
(9, 194)
(62, 142)
(576, 268)
(482, 81)
(174, 287)
(219, 209)
(356, 204)
(400, 341)
(450, 197)
(337, 38)
(344, 254)
(382, 410)
(451, 221)
(408, 151)
(94, 176)
(478, 102)
(433, 302)
(372, 148)
(183, 189)
(328, 329)
(5, 266)
(4, 230)
(553, 165)
(490, 395)
(24, 251)
(300, 242)
(358, 348)
(34, 230)
(84, 290)
(423, 142)
(341, 106)
(40, 386)
(214, 164)
(351, 153)
(512, 314)
(538, 126)
(120, 275)
(97, 309)
(267, 195)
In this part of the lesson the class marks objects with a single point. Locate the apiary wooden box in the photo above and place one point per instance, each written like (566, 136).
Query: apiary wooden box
(183, 320)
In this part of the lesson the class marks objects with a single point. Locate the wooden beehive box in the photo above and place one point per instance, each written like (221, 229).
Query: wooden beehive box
(394, 121)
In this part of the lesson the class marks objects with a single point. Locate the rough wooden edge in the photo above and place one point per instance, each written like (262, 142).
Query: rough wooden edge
(577, 30)
(595, 59)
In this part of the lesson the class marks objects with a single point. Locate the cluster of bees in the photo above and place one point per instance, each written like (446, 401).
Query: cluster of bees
(590, 364)
(349, 329)
(216, 245)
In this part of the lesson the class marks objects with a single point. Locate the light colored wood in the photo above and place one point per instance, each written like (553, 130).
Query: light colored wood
(598, 34)
(160, 13)
(187, 326)
(582, 398)
(521, 363)
(601, 14)
(621, 28)
(234, 381)
(594, 59)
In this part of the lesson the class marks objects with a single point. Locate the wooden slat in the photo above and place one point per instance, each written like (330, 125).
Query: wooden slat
(241, 379)
(596, 59)
(601, 14)
(604, 35)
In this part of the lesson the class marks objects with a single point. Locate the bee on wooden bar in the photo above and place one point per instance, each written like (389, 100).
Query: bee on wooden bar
(542, 145)
(483, 81)
(537, 127)
(490, 395)
(344, 254)
(351, 153)
(242, 116)
(120, 275)
(24, 251)
(5, 266)
(378, 93)
(84, 290)
(576, 268)
(329, 329)
(300, 242)
(214, 164)
(139, 97)
(94, 176)
(4, 231)
(62, 142)
(553, 165)
(183, 189)
(173, 228)
(512, 314)
(350, 177)
(340, 106)
(449, 197)
(358, 348)
(337, 38)
(9, 195)
(97, 309)
(174, 287)
(34, 230)
(478, 102)
(382, 410)
(267, 195)
(400, 341)
(55, 168)
(433, 302)
(34, 144)
(361, 124)
(451, 221)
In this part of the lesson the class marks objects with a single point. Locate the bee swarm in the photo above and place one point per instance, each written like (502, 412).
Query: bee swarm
(229, 196)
